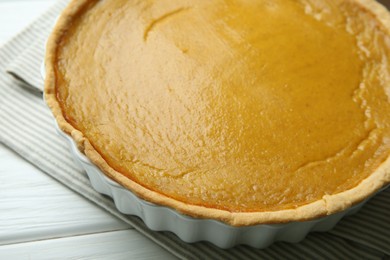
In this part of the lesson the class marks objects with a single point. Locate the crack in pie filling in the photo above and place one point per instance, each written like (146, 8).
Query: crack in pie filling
(244, 111)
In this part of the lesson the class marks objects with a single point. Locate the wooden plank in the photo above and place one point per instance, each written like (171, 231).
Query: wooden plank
(127, 244)
(15, 15)
(34, 206)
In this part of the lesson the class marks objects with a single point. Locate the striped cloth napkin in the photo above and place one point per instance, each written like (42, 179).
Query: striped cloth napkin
(27, 127)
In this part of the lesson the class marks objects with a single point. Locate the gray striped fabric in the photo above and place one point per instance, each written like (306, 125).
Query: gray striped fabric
(28, 128)
(20, 67)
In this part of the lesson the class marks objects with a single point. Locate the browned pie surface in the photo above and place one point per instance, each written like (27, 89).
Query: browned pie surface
(242, 105)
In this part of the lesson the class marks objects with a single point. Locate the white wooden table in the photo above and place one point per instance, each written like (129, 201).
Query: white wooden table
(40, 218)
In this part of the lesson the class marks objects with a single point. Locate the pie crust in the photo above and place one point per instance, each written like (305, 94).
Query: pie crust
(329, 204)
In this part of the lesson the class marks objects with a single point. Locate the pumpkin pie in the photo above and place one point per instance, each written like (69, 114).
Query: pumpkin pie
(243, 111)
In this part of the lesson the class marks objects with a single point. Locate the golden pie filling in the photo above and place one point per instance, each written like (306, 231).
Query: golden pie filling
(241, 105)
